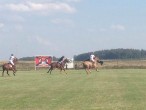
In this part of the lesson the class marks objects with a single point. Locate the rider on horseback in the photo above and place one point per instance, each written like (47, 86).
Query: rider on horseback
(61, 59)
(11, 59)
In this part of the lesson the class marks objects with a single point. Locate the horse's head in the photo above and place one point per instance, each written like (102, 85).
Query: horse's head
(101, 62)
(67, 60)
(15, 60)
(98, 61)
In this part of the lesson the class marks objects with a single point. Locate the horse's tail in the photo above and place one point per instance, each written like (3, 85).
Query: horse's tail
(83, 64)
(2, 67)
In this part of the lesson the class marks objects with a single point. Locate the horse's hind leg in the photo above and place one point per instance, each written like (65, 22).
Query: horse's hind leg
(3, 73)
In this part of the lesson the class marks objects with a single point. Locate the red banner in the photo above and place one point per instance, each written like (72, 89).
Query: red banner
(43, 61)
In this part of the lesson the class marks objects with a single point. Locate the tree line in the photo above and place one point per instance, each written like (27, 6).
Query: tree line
(114, 54)
(105, 54)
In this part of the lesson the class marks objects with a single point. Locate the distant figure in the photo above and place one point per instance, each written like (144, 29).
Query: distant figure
(76, 66)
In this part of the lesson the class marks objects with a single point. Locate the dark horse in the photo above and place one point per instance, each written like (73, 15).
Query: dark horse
(58, 65)
(8, 66)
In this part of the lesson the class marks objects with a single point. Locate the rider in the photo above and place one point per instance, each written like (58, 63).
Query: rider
(61, 59)
(92, 56)
(11, 60)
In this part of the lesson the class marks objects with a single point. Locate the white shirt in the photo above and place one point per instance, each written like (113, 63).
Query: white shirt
(11, 58)
(92, 57)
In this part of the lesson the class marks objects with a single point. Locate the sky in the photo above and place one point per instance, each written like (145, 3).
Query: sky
(70, 27)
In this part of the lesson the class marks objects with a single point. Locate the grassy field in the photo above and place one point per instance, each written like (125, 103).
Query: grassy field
(109, 89)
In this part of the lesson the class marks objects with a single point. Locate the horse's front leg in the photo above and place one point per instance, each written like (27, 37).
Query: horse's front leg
(14, 72)
(8, 73)
(97, 69)
(87, 70)
(49, 70)
(64, 71)
(14, 67)
(60, 70)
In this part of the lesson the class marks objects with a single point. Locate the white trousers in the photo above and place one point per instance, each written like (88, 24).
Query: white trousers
(11, 62)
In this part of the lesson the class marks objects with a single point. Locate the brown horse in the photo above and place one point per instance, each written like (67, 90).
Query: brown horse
(8, 66)
(88, 65)
(58, 65)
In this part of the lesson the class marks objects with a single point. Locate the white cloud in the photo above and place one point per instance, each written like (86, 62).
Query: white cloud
(32, 6)
(17, 7)
(118, 27)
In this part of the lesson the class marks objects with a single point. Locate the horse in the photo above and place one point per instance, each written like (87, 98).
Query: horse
(58, 65)
(9, 66)
(87, 65)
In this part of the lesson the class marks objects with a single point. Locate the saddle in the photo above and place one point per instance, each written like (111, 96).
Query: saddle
(59, 63)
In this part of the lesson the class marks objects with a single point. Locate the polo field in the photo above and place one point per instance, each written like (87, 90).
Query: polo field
(108, 89)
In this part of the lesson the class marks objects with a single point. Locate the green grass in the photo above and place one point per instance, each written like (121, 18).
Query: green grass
(111, 89)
